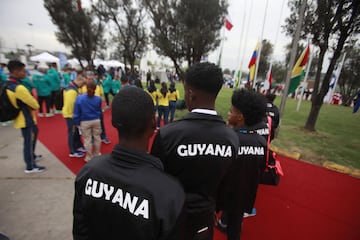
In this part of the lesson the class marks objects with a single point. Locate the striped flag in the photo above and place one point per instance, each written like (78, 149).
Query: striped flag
(298, 71)
(252, 64)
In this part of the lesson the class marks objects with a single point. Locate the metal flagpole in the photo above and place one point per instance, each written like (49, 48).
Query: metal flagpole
(305, 78)
(260, 45)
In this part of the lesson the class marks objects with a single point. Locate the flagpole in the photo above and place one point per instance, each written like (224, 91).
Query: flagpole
(338, 71)
(305, 79)
(260, 45)
(247, 32)
(237, 75)
(292, 56)
(221, 45)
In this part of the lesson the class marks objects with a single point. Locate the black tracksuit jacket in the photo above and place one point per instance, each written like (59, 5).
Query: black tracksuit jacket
(238, 191)
(197, 150)
(126, 195)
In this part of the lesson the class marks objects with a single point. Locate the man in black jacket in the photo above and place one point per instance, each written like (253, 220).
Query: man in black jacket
(126, 194)
(237, 195)
(198, 148)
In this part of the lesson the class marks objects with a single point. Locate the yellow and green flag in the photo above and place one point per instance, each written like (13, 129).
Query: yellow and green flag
(298, 71)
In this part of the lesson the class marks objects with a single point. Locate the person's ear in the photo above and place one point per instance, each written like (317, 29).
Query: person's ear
(191, 94)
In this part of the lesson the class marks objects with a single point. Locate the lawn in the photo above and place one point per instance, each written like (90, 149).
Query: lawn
(337, 136)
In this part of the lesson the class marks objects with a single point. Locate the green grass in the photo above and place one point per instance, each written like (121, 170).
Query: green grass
(337, 136)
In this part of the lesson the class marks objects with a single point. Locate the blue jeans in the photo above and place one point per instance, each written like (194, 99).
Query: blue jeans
(74, 141)
(172, 108)
(29, 134)
(163, 110)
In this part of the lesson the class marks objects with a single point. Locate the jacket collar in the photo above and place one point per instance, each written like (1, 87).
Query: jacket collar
(134, 157)
(203, 116)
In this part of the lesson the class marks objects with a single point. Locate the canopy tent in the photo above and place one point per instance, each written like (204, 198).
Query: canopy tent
(46, 57)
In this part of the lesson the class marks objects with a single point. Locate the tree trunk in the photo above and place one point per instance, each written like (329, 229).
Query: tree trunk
(314, 113)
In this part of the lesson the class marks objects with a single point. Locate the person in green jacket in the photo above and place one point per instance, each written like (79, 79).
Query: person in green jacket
(42, 82)
(65, 78)
(107, 86)
(56, 100)
(116, 85)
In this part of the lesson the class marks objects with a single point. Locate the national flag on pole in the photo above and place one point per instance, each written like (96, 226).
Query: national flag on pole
(228, 23)
(252, 64)
(238, 78)
(298, 71)
(268, 80)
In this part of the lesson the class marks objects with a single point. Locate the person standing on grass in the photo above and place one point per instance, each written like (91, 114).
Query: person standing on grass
(163, 104)
(173, 97)
(20, 97)
(238, 191)
(152, 91)
(357, 102)
(76, 147)
(87, 116)
(126, 194)
(198, 148)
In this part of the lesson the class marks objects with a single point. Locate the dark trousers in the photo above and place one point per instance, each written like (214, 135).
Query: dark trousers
(29, 134)
(74, 141)
(56, 100)
(107, 96)
(234, 224)
(163, 110)
(41, 100)
(172, 108)
(103, 133)
(200, 225)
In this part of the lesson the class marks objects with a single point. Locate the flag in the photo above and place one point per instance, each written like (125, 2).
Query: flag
(298, 71)
(228, 24)
(268, 80)
(252, 64)
(238, 77)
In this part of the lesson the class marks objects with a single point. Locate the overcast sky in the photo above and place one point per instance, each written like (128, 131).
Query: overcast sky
(15, 16)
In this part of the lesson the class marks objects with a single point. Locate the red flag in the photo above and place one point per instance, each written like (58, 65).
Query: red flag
(228, 24)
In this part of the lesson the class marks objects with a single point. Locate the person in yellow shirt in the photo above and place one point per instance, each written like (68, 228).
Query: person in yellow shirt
(163, 104)
(20, 97)
(174, 95)
(70, 93)
(152, 91)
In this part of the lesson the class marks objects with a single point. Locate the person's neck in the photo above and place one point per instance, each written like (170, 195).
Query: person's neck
(135, 144)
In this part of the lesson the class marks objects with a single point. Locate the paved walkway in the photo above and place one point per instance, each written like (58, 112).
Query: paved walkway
(33, 206)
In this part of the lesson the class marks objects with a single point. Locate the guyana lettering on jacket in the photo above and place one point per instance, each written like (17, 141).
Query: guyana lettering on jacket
(251, 150)
(126, 200)
(199, 149)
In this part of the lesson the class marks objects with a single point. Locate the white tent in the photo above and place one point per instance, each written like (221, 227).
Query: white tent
(46, 57)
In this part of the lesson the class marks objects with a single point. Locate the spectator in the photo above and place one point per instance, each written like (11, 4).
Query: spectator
(76, 147)
(22, 98)
(173, 97)
(163, 104)
(87, 115)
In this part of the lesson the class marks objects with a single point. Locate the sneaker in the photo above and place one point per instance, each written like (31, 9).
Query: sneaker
(81, 149)
(253, 213)
(49, 115)
(76, 155)
(36, 169)
(58, 112)
(40, 114)
(106, 141)
(221, 226)
(37, 158)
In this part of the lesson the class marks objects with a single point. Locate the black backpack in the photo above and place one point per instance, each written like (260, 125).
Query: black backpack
(7, 110)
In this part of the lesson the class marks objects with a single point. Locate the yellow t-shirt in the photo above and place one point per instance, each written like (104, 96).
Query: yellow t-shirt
(174, 96)
(163, 101)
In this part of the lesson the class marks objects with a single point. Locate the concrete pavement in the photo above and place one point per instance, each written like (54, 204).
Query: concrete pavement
(34, 206)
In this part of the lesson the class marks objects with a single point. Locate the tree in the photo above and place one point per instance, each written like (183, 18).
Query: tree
(77, 28)
(266, 51)
(128, 16)
(186, 29)
(349, 79)
(331, 23)
(278, 71)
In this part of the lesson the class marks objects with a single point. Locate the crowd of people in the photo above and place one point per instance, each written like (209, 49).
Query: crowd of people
(198, 165)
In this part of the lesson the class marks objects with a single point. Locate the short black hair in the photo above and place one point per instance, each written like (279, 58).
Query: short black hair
(132, 112)
(205, 76)
(15, 65)
(270, 97)
(251, 104)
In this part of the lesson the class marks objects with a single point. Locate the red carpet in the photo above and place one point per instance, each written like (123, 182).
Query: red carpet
(311, 203)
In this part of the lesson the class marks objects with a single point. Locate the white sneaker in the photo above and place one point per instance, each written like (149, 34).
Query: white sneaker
(253, 213)
(37, 169)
